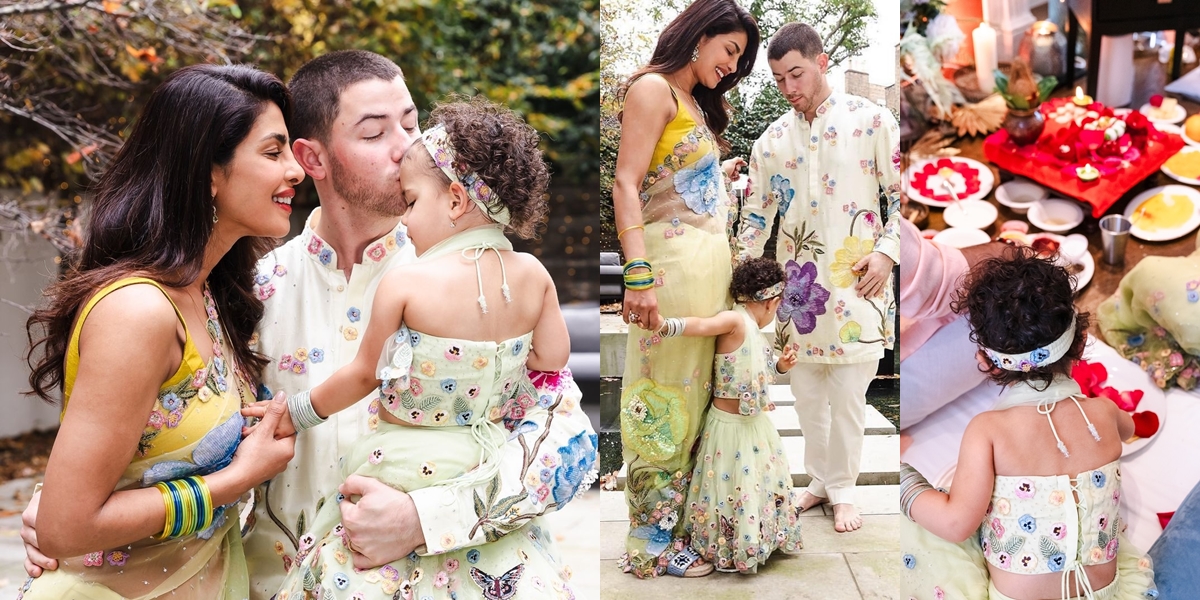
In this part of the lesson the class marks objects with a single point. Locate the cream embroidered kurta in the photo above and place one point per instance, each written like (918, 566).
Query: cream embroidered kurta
(313, 322)
(824, 180)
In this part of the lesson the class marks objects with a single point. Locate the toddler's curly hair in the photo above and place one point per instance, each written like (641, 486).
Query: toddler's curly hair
(502, 149)
(754, 275)
(1018, 303)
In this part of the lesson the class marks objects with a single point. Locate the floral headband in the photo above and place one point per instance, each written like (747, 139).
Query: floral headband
(437, 142)
(1037, 358)
(764, 294)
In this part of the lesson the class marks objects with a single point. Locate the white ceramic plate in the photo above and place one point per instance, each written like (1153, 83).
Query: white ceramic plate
(1086, 261)
(1177, 176)
(1123, 375)
(961, 237)
(1179, 115)
(975, 214)
(986, 181)
(1173, 233)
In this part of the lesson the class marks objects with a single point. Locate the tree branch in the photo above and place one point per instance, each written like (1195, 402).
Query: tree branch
(29, 8)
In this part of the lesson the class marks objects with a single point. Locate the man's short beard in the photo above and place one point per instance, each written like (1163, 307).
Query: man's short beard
(359, 193)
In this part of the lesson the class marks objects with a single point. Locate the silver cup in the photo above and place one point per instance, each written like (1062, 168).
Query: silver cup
(1114, 232)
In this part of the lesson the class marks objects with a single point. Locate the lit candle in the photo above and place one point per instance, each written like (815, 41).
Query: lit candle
(984, 38)
(1080, 98)
(1087, 172)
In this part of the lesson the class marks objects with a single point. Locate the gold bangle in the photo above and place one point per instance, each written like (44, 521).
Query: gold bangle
(623, 231)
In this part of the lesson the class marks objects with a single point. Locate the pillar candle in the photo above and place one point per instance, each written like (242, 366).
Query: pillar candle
(984, 38)
(1115, 85)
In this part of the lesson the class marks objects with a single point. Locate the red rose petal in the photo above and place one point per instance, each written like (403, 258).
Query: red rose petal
(1145, 424)
(1164, 518)
(1156, 100)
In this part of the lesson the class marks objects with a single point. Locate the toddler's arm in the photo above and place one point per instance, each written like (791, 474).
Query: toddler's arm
(722, 323)
(352, 382)
(957, 515)
(551, 344)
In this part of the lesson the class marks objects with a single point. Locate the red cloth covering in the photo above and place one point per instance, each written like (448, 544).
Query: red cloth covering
(1053, 159)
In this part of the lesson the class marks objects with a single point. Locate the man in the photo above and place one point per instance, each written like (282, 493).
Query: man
(353, 119)
(821, 167)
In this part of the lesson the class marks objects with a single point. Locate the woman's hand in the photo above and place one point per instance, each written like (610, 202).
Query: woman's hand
(641, 309)
(732, 167)
(261, 455)
(258, 410)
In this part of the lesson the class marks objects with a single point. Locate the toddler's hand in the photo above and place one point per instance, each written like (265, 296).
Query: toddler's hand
(258, 410)
(787, 361)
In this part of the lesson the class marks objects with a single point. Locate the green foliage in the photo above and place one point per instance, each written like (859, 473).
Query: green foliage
(751, 116)
(72, 79)
(1045, 86)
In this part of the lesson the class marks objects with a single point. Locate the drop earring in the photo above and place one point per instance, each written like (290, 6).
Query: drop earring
(696, 53)
(214, 210)
(453, 224)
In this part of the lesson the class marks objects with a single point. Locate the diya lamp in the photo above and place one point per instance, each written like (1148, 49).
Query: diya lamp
(1080, 98)
(1087, 173)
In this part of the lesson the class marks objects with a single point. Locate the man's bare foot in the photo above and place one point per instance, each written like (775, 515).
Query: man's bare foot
(846, 518)
(809, 500)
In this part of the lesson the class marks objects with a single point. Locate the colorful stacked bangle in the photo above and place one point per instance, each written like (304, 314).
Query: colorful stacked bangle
(638, 281)
(188, 504)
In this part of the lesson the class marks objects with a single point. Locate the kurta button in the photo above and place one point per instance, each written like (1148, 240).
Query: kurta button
(350, 333)
(341, 288)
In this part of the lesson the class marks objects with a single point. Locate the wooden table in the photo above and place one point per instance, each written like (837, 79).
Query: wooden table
(1107, 277)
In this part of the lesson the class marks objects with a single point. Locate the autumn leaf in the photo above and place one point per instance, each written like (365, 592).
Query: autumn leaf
(111, 6)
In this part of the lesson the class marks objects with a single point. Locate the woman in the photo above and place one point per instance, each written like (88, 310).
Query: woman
(148, 337)
(671, 217)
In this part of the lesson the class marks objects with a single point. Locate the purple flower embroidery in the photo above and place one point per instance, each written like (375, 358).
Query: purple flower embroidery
(803, 298)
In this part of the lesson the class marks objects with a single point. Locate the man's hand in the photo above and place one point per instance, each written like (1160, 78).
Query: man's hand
(382, 526)
(873, 271)
(786, 361)
(35, 561)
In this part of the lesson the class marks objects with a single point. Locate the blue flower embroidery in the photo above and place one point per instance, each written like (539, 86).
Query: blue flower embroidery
(401, 238)
(517, 347)
(463, 418)
(473, 556)
(213, 453)
(171, 401)
(449, 385)
(262, 278)
(1027, 523)
(910, 561)
(1135, 340)
(1039, 355)
(698, 184)
(316, 355)
(756, 221)
(782, 190)
(1098, 478)
(353, 314)
(656, 539)
(1056, 561)
(578, 458)
(326, 256)
(414, 338)
(1193, 297)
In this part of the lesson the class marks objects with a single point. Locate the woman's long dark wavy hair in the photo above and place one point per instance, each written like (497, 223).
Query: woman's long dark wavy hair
(152, 214)
(704, 18)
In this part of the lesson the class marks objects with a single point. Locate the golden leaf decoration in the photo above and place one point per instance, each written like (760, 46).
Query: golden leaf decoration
(980, 118)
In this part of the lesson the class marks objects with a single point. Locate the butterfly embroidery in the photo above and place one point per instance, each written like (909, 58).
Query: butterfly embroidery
(498, 588)
(727, 531)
